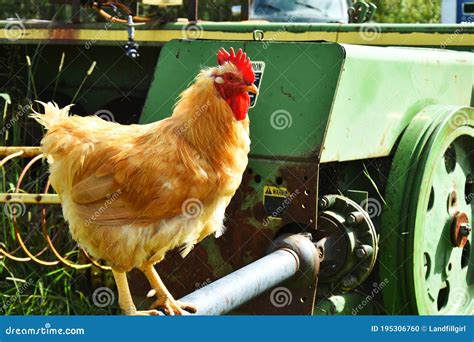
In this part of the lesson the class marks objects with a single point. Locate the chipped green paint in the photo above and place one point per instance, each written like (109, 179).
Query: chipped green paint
(214, 258)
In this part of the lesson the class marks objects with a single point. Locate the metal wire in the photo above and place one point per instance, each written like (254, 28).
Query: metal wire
(98, 7)
(20, 152)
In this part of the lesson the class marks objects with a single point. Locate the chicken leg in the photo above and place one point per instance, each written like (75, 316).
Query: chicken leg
(125, 298)
(164, 299)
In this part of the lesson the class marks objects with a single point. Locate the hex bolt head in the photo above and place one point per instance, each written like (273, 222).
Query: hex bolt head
(354, 218)
(325, 203)
(465, 229)
(361, 253)
(351, 219)
(364, 251)
(349, 281)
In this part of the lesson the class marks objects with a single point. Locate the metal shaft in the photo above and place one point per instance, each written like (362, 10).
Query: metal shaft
(248, 282)
(295, 253)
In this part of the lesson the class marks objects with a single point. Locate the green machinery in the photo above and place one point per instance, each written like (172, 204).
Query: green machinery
(362, 138)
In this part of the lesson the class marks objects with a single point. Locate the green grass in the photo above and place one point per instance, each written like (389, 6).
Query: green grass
(28, 288)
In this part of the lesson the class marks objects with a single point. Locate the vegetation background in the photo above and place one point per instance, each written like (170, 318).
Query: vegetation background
(390, 11)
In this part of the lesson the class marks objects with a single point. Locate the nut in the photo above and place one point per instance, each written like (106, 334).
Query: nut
(465, 229)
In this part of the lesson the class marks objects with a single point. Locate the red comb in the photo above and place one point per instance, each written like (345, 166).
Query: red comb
(241, 61)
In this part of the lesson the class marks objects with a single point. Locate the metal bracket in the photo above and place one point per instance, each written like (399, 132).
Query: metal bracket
(362, 12)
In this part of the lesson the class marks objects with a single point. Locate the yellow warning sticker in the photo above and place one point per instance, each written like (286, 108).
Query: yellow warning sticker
(273, 191)
(274, 201)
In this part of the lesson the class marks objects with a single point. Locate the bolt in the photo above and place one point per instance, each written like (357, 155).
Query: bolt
(349, 281)
(364, 251)
(354, 217)
(351, 219)
(361, 253)
(465, 229)
(325, 203)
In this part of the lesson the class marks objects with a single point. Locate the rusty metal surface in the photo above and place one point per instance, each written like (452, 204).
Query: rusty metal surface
(460, 230)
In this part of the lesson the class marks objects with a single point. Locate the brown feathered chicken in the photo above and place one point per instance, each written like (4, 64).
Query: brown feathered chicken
(132, 193)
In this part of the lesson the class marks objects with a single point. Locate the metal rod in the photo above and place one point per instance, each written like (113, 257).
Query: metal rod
(29, 198)
(193, 11)
(76, 11)
(28, 151)
(239, 287)
(244, 13)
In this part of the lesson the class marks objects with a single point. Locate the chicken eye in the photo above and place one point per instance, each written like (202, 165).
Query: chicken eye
(230, 77)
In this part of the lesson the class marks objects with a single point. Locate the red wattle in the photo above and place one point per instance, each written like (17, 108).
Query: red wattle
(240, 105)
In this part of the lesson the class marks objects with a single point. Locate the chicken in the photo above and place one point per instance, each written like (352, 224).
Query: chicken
(132, 193)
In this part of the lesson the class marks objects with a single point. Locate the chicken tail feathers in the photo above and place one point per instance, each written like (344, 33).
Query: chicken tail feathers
(52, 114)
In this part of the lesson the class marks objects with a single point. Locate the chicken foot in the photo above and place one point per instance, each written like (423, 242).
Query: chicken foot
(165, 300)
(125, 297)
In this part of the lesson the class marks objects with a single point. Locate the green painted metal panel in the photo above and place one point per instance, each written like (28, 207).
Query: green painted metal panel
(382, 89)
(296, 92)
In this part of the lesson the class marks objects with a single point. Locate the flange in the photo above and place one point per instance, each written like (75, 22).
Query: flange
(348, 240)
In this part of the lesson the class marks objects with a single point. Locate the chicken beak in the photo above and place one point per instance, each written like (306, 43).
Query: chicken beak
(252, 89)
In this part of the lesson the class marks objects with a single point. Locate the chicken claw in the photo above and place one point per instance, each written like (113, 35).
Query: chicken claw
(143, 313)
(165, 300)
(173, 307)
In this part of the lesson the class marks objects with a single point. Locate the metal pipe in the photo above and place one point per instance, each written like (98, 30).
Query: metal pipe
(244, 13)
(193, 11)
(29, 198)
(230, 292)
(27, 151)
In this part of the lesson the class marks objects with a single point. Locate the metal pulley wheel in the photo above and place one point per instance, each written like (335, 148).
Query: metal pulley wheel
(426, 256)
